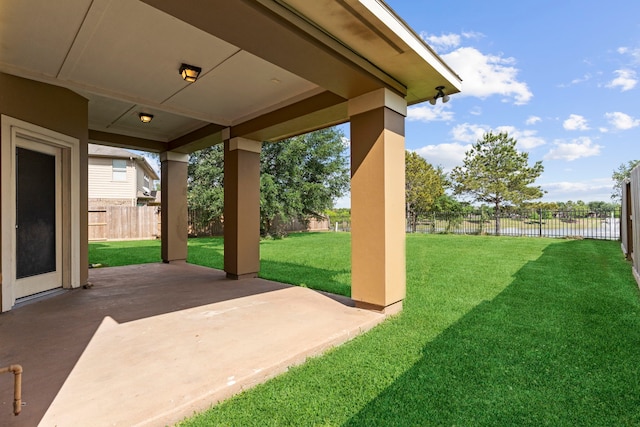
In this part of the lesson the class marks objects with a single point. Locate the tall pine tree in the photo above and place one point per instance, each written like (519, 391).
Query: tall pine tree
(495, 172)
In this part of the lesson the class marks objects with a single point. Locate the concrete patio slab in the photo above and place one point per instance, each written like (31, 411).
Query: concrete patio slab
(151, 344)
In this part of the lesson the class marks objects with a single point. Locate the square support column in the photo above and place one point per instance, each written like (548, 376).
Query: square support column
(378, 273)
(242, 208)
(174, 225)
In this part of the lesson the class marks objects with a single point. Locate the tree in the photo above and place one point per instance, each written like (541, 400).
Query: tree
(299, 178)
(619, 176)
(423, 185)
(495, 172)
(446, 203)
(205, 191)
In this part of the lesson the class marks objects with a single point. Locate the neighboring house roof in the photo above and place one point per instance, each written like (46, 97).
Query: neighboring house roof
(115, 152)
(96, 150)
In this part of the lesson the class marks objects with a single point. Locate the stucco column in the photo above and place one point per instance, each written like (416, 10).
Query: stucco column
(174, 224)
(378, 275)
(242, 208)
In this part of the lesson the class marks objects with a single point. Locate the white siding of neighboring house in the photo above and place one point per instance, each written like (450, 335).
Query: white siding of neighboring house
(141, 172)
(102, 186)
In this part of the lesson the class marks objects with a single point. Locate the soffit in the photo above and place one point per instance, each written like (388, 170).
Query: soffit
(259, 58)
(374, 31)
(124, 55)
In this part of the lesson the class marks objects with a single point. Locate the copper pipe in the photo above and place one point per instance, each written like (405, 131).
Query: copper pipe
(17, 386)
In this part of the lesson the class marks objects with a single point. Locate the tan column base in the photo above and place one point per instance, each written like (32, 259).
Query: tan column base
(389, 310)
(241, 276)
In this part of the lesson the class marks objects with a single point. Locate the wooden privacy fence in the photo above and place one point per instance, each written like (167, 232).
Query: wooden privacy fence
(630, 235)
(200, 225)
(124, 223)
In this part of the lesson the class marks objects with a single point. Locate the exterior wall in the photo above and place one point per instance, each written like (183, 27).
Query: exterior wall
(141, 171)
(635, 230)
(102, 185)
(626, 228)
(60, 110)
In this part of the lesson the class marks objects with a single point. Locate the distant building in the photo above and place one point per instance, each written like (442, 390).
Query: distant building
(120, 177)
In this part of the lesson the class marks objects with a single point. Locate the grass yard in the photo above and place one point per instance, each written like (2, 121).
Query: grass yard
(495, 331)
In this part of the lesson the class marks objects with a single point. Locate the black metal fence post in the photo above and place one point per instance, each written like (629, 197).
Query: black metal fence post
(540, 223)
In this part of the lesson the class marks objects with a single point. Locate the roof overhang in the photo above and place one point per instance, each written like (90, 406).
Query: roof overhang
(270, 68)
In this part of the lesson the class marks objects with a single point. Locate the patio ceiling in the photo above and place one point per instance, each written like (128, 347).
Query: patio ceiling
(270, 69)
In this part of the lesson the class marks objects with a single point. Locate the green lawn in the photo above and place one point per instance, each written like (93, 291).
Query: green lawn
(495, 331)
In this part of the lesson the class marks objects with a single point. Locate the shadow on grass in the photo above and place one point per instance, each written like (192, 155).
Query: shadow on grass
(558, 346)
(283, 266)
(315, 278)
(209, 252)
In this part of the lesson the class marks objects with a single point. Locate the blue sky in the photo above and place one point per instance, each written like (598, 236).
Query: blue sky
(560, 76)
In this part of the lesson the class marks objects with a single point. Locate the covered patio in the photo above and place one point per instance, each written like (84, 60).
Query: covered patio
(91, 71)
(239, 73)
(135, 349)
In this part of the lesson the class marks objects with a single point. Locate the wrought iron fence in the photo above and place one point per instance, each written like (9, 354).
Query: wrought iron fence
(603, 224)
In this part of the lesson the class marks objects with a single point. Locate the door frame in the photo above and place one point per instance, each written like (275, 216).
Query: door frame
(13, 129)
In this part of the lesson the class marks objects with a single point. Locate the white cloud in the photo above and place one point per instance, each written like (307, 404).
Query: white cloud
(471, 133)
(582, 79)
(575, 122)
(626, 80)
(476, 111)
(430, 113)
(596, 189)
(576, 149)
(532, 120)
(472, 35)
(485, 75)
(576, 81)
(634, 53)
(442, 42)
(445, 155)
(526, 138)
(622, 121)
(570, 187)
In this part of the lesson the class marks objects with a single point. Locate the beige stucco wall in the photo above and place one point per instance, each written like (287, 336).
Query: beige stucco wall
(60, 110)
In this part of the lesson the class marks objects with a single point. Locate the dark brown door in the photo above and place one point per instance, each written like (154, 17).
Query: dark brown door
(35, 213)
(36, 257)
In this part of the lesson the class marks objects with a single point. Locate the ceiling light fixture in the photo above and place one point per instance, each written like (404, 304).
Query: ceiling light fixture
(145, 118)
(190, 73)
(440, 94)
